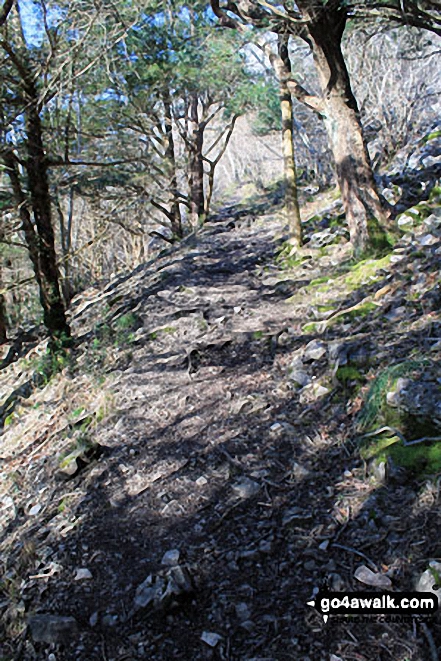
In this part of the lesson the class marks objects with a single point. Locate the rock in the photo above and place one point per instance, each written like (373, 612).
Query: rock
(109, 620)
(314, 350)
(336, 582)
(210, 638)
(368, 577)
(312, 392)
(147, 592)
(242, 611)
(299, 377)
(354, 353)
(161, 591)
(83, 574)
(245, 488)
(276, 427)
(201, 481)
(396, 314)
(378, 471)
(430, 580)
(428, 240)
(433, 222)
(405, 220)
(93, 619)
(53, 629)
(170, 558)
(420, 399)
(298, 471)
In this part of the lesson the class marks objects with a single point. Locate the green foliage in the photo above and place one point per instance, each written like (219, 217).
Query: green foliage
(346, 373)
(266, 100)
(374, 406)
(126, 321)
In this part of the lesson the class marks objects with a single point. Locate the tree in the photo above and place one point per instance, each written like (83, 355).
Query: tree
(22, 104)
(281, 64)
(179, 89)
(322, 25)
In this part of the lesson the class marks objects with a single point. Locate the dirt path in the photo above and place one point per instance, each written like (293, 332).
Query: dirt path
(211, 455)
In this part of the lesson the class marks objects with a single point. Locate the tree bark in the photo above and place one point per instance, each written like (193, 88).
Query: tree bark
(53, 315)
(170, 156)
(292, 209)
(196, 164)
(3, 321)
(341, 115)
(37, 171)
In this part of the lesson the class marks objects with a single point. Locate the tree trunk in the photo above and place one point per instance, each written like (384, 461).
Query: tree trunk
(52, 316)
(196, 165)
(340, 112)
(170, 156)
(3, 322)
(37, 172)
(292, 209)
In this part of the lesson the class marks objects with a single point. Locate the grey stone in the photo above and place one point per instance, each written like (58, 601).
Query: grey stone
(430, 580)
(109, 620)
(378, 471)
(368, 577)
(428, 240)
(170, 558)
(242, 611)
(55, 629)
(246, 488)
(83, 574)
(298, 471)
(299, 377)
(314, 350)
(211, 638)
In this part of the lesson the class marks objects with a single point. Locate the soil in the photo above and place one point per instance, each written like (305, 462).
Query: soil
(189, 434)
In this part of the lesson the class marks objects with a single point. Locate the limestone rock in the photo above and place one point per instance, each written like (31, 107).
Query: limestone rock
(55, 629)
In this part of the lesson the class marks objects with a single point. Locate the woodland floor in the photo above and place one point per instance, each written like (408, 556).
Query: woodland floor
(197, 439)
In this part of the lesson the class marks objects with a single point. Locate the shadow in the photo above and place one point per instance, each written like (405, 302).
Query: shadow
(263, 493)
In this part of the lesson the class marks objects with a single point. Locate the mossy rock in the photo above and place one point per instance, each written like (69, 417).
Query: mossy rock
(419, 460)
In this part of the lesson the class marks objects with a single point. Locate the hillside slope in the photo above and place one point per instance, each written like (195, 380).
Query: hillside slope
(192, 474)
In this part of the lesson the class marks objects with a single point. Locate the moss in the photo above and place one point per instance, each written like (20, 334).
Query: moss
(381, 241)
(328, 307)
(318, 281)
(310, 328)
(431, 136)
(167, 330)
(421, 459)
(361, 311)
(366, 272)
(347, 373)
(126, 321)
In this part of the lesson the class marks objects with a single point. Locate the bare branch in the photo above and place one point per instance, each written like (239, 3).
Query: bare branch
(4, 13)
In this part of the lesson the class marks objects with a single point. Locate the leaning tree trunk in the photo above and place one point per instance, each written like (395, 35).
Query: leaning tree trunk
(292, 209)
(353, 168)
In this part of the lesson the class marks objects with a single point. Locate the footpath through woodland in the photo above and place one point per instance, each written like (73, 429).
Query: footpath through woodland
(183, 486)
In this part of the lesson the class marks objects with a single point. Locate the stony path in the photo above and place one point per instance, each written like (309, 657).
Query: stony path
(222, 497)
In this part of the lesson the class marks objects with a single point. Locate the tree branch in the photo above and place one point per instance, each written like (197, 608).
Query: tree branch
(7, 6)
